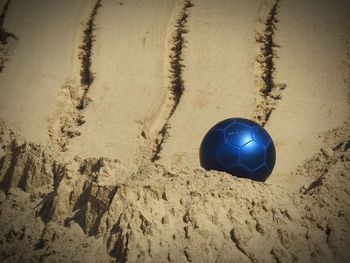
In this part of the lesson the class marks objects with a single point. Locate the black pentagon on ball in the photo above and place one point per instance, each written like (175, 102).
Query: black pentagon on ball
(229, 160)
(253, 155)
(209, 147)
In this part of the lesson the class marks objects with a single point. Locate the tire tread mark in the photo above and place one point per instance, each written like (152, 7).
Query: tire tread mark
(176, 69)
(73, 99)
(4, 37)
(269, 90)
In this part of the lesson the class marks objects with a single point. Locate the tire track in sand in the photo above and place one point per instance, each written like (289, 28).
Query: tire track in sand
(176, 85)
(85, 55)
(312, 64)
(73, 98)
(132, 101)
(269, 91)
(44, 58)
(219, 63)
(4, 37)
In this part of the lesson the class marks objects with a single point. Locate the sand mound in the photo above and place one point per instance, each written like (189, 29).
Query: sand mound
(95, 208)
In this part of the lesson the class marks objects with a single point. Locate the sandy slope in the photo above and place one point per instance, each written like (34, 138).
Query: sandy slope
(131, 68)
(103, 109)
(219, 63)
(312, 62)
(44, 59)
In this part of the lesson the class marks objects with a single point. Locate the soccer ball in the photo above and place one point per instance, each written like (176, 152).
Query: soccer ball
(239, 147)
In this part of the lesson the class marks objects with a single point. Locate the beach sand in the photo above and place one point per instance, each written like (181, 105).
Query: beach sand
(103, 106)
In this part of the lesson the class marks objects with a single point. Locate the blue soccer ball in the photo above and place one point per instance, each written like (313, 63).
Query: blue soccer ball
(239, 147)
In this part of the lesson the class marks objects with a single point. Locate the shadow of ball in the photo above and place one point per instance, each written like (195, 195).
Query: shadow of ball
(239, 147)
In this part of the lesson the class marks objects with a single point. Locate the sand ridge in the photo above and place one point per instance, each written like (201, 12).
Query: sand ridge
(169, 215)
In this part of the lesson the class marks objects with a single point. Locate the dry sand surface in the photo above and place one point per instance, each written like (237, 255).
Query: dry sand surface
(103, 106)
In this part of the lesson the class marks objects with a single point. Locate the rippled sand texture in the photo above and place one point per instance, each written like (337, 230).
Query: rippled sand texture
(103, 106)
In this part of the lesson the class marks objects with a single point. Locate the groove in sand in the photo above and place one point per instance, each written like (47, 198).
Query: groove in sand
(73, 98)
(85, 55)
(269, 91)
(176, 81)
(4, 36)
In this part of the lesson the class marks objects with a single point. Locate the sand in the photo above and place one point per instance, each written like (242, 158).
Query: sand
(103, 106)
(316, 98)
